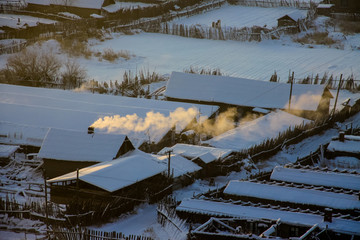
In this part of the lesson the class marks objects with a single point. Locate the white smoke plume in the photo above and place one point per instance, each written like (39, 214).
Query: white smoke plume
(153, 122)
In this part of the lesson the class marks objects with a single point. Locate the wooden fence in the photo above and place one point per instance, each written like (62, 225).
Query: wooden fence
(274, 3)
(88, 234)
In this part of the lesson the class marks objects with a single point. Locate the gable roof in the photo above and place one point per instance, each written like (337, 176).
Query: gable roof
(61, 144)
(243, 92)
(206, 154)
(179, 165)
(119, 173)
(294, 195)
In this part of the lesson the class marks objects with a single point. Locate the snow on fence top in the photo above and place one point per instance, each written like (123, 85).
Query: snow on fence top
(119, 173)
(7, 150)
(293, 195)
(256, 131)
(179, 165)
(221, 209)
(351, 144)
(194, 151)
(243, 92)
(92, 4)
(61, 144)
(316, 178)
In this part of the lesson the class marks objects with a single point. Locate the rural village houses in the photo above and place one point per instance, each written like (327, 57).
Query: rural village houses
(310, 101)
(64, 151)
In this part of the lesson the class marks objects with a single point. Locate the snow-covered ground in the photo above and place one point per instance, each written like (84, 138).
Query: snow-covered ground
(240, 16)
(21, 21)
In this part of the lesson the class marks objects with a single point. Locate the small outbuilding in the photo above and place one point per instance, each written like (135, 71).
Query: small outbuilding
(64, 151)
(290, 19)
(136, 175)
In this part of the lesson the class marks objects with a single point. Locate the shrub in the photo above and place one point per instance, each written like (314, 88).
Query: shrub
(75, 48)
(110, 55)
(34, 67)
(74, 75)
(316, 38)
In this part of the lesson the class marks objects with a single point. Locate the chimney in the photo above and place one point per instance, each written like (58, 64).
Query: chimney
(91, 130)
(341, 136)
(328, 215)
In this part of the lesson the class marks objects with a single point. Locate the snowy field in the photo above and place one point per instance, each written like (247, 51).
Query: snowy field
(240, 16)
(165, 53)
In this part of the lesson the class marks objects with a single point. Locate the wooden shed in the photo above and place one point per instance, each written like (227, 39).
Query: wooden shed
(136, 175)
(64, 151)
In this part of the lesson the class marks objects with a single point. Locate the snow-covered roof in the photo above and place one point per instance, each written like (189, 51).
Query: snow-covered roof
(255, 132)
(295, 15)
(324, 5)
(179, 165)
(7, 150)
(78, 110)
(222, 209)
(92, 4)
(119, 173)
(12, 133)
(350, 145)
(61, 144)
(293, 195)
(316, 178)
(243, 92)
(207, 154)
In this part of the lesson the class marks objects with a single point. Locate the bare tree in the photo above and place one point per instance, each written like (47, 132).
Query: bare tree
(74, 75)
(34, 67)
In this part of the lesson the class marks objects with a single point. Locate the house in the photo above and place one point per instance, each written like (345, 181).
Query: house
(291, 19)
(208, 158)
(294, 203)
(295, 222)
(325, 9)
(307, 100)
(83, 8)
(316, 177)
(350, 6)
(64, 151)
(183, 171)
(135, 175)
(286, 195)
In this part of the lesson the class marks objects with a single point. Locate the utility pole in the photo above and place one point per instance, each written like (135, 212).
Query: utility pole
(169, 172)
(337, 94)
(46, 201)
(291, 87)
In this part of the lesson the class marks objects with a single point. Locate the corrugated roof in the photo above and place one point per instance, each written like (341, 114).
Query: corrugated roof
(61, 144)
(243, 92)
(119, 173)
(293, 195)
(316, 178)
